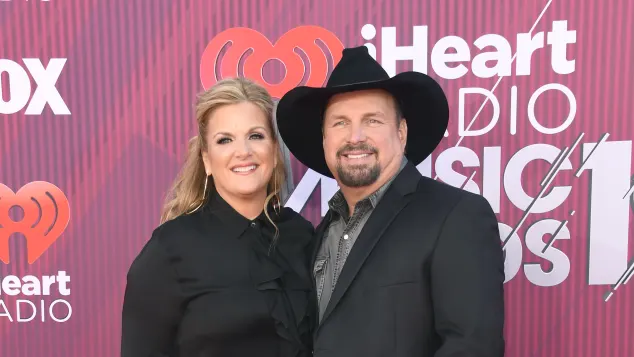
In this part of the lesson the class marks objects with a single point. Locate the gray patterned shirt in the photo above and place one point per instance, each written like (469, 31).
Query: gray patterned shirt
(339, 239)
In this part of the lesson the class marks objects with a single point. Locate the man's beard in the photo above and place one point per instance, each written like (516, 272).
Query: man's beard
(357, 175)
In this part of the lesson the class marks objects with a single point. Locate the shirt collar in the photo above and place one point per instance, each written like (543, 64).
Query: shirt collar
(233, 223)
(339, 205)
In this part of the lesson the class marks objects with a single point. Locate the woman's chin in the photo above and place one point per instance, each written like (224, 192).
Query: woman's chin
(244, 191)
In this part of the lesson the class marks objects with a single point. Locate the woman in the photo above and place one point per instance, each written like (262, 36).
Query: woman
(226, 273)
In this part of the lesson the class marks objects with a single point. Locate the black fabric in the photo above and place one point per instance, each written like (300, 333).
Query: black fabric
(423, 104)
(211, 284)
(425, 278)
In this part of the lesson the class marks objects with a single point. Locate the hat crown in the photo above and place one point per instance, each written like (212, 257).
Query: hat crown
(356, 66)
(422, 101)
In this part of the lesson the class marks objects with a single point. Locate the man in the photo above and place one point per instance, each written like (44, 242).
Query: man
(403, 265)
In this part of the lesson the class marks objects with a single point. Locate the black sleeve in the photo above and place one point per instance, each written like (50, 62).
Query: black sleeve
(467, 276)
(151, 305)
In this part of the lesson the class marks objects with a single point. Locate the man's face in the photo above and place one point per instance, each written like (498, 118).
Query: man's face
(364, 140)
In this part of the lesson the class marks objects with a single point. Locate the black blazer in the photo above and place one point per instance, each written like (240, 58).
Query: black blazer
(206, 284)
(424, 278)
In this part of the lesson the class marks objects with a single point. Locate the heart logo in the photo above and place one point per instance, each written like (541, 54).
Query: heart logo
(46, 216)
(236, 42)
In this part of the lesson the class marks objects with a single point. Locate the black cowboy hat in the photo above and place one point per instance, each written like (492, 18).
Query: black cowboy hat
(422, 102)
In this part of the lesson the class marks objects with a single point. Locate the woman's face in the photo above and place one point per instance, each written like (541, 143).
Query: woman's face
(240, 153)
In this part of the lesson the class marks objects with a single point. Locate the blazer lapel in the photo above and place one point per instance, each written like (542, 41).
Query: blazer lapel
(320, 232)
(394, 200)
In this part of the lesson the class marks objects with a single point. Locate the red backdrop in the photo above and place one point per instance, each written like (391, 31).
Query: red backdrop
(97, 101)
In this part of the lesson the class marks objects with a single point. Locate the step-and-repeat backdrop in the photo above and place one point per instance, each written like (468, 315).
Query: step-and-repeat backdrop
(96, 103)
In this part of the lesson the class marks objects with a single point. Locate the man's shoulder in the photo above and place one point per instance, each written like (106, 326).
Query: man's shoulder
(440, 194)
(430, 188)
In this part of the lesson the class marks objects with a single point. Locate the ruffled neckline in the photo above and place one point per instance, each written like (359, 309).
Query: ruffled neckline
(280, 271)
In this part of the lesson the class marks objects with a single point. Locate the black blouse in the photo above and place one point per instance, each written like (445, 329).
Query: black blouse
(210, 284)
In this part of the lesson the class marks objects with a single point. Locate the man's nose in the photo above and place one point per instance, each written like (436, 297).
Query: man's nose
(357, 133)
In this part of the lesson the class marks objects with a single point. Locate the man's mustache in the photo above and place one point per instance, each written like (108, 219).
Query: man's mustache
(359, 147)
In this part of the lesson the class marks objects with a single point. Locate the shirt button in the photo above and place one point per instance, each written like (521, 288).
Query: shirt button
(253, 224)
(345, 236)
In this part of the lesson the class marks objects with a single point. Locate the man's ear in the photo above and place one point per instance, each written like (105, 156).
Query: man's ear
(402, 132)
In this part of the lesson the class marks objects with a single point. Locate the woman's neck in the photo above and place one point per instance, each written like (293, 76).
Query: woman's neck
(248, 206)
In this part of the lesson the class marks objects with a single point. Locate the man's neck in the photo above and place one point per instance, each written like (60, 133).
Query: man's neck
(355, 194)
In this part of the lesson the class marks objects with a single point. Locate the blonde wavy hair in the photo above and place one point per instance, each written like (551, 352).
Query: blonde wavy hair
(187, 193)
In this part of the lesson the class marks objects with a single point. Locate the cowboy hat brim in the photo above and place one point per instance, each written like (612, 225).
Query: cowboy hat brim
(422, 102)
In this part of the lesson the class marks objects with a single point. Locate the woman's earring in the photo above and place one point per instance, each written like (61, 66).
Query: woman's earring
(202, 200)
(277, 203)
(205, 188)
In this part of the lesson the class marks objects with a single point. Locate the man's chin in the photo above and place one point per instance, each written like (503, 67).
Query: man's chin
(358, 177)
(356, 168)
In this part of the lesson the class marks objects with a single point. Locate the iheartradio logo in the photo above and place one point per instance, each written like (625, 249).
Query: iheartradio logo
(308, 54)
(46, 213)
(46, 216)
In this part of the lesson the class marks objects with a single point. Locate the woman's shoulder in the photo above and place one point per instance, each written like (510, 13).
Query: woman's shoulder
(295, 231)
(168, 242)
(176, 224)
(293, 219)
(176, 234)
